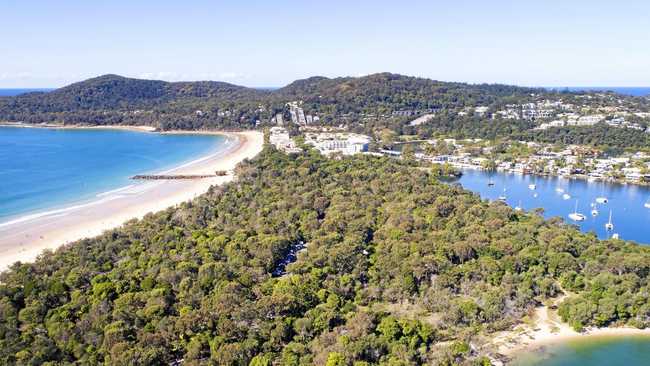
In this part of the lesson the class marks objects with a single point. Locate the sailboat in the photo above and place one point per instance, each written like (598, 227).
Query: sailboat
(647, 204)
(559, 190)
(566, 196)
(594, 210)
(502, 197)
(518, 207)
(609, 226)
(601, 200)
(490, 183)
(575, 216)
(532, 187)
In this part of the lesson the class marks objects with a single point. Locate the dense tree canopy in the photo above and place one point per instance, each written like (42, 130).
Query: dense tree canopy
(112, 99)
(398, 269)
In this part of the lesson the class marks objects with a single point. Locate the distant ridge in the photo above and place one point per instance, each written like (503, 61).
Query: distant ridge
(112, 99)
(12, 92)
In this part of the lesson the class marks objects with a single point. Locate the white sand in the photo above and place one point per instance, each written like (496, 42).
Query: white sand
(25, 238)
(546, 329)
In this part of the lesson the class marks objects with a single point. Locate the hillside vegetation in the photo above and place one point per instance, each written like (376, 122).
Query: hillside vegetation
(399, 269)
(112, 99)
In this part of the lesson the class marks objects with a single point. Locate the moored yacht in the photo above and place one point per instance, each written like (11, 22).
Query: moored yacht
(503, 197)
(532, 187)
(575, 215)
(566, 196)
(601, 200)
(594, 211)
(609, 225)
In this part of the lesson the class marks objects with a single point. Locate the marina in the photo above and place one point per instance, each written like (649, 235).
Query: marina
(609, 210)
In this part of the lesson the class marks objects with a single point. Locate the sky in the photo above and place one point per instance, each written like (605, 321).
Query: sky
(45, 43)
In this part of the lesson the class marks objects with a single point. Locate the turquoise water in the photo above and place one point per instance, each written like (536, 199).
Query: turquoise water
(626, 202)
(631, 221)
(594, 352)
(45, 168)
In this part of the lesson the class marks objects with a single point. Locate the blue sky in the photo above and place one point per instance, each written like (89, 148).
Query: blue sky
(271, 43)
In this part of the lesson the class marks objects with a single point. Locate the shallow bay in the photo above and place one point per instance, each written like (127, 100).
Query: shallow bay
(594, 351)
(43, 168)
(626, 202)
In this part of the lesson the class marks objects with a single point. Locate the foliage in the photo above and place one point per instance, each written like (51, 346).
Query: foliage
(195, 283)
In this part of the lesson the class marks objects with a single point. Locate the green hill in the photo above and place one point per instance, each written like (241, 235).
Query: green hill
(413, 273)
(112, 99)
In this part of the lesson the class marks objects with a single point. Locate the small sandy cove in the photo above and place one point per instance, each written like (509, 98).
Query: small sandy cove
(546, 328)
(25, 238)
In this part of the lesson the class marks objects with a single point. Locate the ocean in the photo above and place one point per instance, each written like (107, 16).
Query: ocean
(18, 91)
(42, 169)
(637, 91)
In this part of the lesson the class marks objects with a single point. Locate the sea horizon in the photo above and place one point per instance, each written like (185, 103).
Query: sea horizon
(85, 182)
(636, 91)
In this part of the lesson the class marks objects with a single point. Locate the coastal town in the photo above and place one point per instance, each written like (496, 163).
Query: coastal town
(521, 157)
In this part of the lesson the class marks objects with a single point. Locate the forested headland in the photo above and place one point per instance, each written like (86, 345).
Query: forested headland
(368, 104)
(398, 269)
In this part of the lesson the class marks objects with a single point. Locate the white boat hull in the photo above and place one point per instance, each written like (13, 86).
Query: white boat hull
(577, 217)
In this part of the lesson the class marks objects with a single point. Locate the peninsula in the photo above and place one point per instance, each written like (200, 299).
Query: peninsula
(25, 238)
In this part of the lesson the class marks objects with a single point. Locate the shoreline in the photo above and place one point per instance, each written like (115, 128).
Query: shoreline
(546, 329)
(133, 128)
(25, 237)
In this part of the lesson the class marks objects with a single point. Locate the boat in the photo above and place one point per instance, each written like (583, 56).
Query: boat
(566, 196)
(518, 207)
(615, 236)
(647, 204)
(532, 187)
(490, 183)
(594, 210)
(559, 190)
(601, 200)
(575, 215)
(609, 226)
(503, 197)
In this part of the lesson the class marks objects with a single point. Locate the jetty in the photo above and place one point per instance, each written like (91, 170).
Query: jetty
(219, 173)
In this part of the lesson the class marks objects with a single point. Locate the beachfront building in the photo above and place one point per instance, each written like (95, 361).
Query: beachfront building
(586, 120)
(556, 123)
(344, 143)
(279, 137)
(480, 111)
(422, 119)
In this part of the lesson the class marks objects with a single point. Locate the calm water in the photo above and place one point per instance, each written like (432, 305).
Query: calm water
(45, 168)
(594, 352)
(630, 218)
(637, 91)
(631, 221)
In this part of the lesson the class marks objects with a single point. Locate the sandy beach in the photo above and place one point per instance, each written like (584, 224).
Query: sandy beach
(23, 239)
(82, 127)
(545, 328)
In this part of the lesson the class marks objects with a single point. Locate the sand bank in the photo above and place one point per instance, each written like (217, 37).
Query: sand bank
(79, 127)
(544, 329)
(23, 239)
